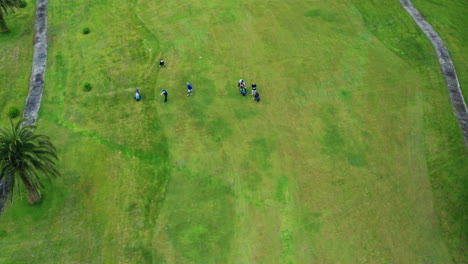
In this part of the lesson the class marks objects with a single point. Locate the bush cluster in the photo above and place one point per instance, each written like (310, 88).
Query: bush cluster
(13, 112)
(87, 87)
(22, 4)
(86, 30)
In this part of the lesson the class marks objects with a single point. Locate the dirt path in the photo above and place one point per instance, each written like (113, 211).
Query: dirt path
(448, 70)
(33, 101)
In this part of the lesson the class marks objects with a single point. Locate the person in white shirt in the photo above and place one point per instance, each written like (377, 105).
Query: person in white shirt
(240, 83)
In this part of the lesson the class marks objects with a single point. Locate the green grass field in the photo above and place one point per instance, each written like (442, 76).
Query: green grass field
(352, 156)
(450, 20)
(15, 61)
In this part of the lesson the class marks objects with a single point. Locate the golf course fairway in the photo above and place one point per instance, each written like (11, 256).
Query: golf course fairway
(353, 154)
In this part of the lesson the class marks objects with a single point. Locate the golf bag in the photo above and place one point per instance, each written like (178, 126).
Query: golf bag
(243, 91)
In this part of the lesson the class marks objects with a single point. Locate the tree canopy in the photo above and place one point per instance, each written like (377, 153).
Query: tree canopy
(6, 7)
(26, 157)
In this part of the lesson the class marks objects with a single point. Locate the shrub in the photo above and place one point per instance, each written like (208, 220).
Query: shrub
(13, 112)
(86, 30)
(22, 4)
(87, 87)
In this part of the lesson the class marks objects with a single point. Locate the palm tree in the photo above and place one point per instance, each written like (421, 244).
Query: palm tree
(5, 7)
(25, 157)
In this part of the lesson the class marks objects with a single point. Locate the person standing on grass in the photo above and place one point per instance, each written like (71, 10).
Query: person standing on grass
(240, 83)
(243, 90)
(189, 89)
(164, 92)
(161, 63)
(137, 95)
(243, 86)
(257, 97)
(254, 88)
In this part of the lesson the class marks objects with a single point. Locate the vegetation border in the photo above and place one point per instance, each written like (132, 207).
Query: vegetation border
(36, 84)
(448, 69)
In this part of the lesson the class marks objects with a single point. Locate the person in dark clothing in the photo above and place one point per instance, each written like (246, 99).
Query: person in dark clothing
(137, 95)
(257, 97)
(161, 63)
(164, 92)
(254, 88)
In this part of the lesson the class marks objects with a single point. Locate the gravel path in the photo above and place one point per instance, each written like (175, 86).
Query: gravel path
(33, 102)
(448, 70)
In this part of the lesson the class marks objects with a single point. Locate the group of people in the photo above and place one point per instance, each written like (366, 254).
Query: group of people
(241, 85)
(243, 90)
(162, 63)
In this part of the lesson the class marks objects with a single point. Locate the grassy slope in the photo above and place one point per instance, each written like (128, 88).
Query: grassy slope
(330, 167)
(113, 154)
(15, 60)
(311, 171)
(450, 20)
(447, 176)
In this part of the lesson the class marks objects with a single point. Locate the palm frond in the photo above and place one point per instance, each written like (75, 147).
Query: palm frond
(25, 154)
(9, 5)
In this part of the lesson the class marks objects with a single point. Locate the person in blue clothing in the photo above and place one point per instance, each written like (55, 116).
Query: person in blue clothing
(242, 86)
(189, 89)
(257, 97)
(137, 95)
(164, 92)
(243, 90)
